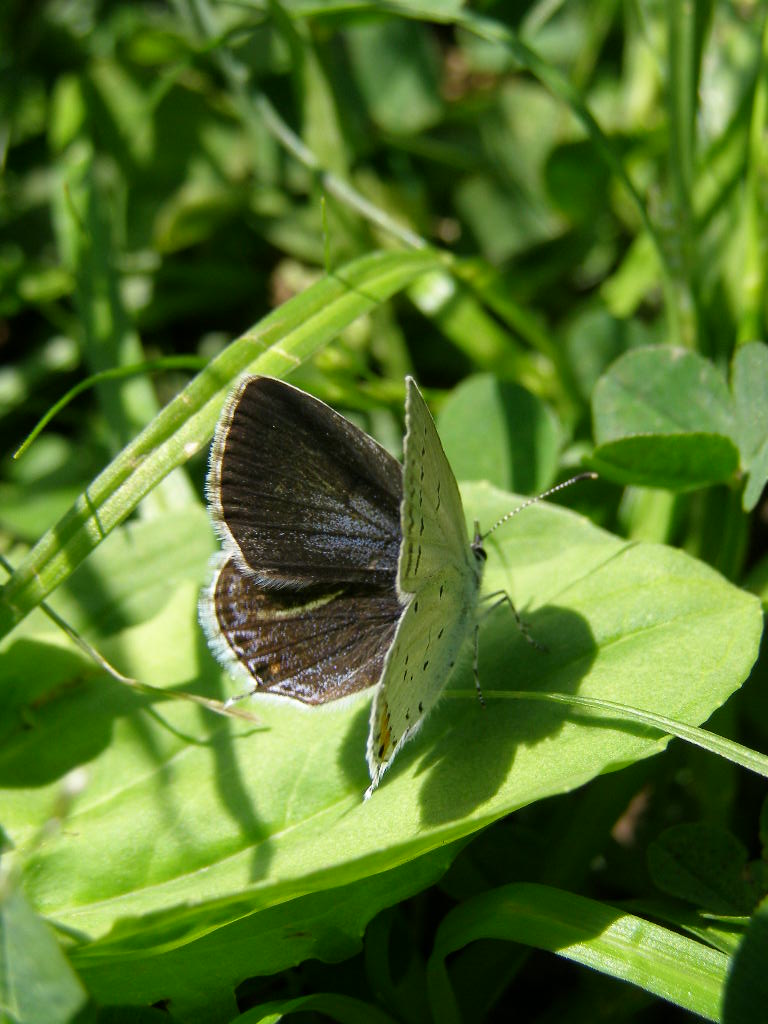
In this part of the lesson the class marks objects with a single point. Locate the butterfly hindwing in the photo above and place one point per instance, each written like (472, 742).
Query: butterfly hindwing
(312, 644)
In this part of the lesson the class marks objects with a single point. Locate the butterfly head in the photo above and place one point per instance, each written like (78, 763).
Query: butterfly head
(477, 546)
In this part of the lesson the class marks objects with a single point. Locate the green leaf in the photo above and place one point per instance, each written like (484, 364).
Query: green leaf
(594, 934)
(703, 865)
(749, 383)
(595, 339)
(194, 212)
(497, 431)
(199, 978)
(396, 66)
(505, 221)
(678, 462)
(115, 589)
(577, 179)
(37, 984)
(662, 390)
(191, 822)
(663, 417)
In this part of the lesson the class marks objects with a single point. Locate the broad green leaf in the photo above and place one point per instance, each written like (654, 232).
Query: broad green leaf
(591, 933)
(37, 984)
(677, 462)
(663, 417)
(595, 339)
(276, 345)
(115, 589)
(703, 865)
(192, 821)
(506, 222)
(497, 431)
(663, 390)
(199, 978)
(749, 383)
(396, 67)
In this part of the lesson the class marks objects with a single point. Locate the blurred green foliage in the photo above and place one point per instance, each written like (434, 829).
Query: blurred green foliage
(554, 214)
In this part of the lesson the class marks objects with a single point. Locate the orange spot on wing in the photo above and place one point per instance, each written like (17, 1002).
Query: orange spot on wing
(385, 733)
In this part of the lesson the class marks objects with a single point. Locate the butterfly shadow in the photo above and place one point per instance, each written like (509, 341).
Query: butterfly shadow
(48, 695)
(472, 747)
(236, 795)
(68, 713)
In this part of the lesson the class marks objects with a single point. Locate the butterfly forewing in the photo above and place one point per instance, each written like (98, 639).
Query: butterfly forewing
(300, 494)
(431, 515)
(438, 580)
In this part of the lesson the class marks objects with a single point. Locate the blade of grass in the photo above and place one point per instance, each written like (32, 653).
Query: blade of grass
(116, 373)
(683, 56)
(332, 183)
(620, 945)
(747, 758)
(561, 88)
(253, 106)
(751, 322)
(342, 1008)
(84, 218)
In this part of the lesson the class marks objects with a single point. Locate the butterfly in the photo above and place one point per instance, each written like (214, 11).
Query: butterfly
(340, 569)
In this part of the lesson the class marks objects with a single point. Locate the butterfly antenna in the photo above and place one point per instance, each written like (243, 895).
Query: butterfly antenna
(539, 497)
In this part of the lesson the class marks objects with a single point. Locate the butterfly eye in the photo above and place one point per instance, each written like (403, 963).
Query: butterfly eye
(480, 552)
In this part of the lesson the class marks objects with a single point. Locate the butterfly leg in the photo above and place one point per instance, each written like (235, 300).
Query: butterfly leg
(502, 597)
(239, 696)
